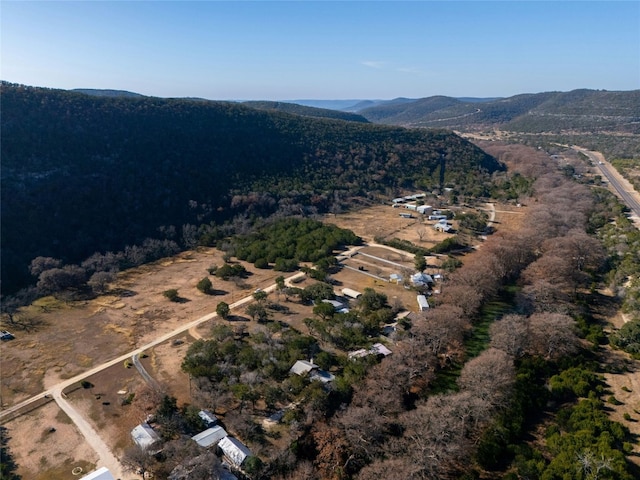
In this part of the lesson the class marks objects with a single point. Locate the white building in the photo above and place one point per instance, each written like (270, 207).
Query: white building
(234, 450)
(211, 436)
(422, 303)
(144, 436)
(348, 292)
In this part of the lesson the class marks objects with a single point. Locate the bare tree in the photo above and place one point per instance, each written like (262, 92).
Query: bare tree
(553, 335)
(490, 376)
(511, 335)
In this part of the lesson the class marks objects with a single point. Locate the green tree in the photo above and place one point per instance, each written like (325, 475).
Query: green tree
(223, 310)
(260, 296)
(324, 310)
(205, 285)
(257, 310)
(420, 262)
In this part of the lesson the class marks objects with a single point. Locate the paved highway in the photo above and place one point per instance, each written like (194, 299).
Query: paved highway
(625, 190)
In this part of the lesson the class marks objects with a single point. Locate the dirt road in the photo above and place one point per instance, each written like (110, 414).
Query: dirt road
(106, 457)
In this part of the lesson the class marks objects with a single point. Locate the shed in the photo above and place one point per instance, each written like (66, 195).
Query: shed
(425, 209)
(234, 450)
(208, 418)
(211, 436)
(144, 436)
(395, 278)
(422, 302)
(102, 473)
(348, 292)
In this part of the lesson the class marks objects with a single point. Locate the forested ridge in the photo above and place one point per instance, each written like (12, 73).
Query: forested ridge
(84, 174)
(577, 110)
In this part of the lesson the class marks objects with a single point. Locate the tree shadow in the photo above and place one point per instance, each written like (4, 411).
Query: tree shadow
(123, 292)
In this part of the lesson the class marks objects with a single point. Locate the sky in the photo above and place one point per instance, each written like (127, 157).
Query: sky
(277, 50)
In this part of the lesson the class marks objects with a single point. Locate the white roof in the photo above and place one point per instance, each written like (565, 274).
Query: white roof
(422, 302)
(102, 473)
(421, 278)
(380, 349)
(144, 436)
(376, 349)
(210, 436)
(349, 292)
(358, 353)
(302, 366)
(207, 416)
(234, 450)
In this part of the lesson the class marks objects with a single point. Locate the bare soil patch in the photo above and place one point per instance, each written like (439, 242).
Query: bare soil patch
(45, 454)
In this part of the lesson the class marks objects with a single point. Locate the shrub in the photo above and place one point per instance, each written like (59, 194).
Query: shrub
(171, 294)
(261, 263)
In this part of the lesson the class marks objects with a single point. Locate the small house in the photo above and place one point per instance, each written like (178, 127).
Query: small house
(144, 436)
(421, 279)
(422, 303)
(209, 437)
(302, 367)
(442, 227)
(234, 450)
(425, 209)
(379, 349)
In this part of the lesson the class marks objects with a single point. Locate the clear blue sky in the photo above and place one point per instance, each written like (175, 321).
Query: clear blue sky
(322, 50)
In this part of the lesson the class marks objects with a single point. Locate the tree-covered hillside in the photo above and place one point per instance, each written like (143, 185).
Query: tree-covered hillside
(83, 173)
(305, 111)
(581, 110)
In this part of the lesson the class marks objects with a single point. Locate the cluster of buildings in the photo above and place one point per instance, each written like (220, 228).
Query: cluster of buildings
(233, 451)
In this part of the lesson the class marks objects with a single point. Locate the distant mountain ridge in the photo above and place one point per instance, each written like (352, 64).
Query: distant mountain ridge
(106, 92)
(581, 110)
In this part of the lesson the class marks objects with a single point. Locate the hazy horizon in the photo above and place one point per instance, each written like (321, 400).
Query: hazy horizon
(355, 50)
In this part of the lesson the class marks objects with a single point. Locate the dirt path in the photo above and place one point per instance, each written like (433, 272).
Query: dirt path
(105, 456)
(93, 438)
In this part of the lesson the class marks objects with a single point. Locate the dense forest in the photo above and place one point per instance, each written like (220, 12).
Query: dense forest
(84, 173)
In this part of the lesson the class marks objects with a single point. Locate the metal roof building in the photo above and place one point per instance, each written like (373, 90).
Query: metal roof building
(210, 436)
(234, 450)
